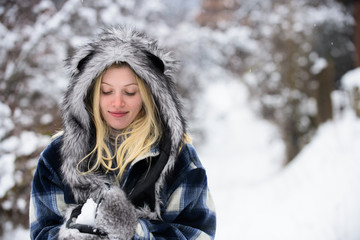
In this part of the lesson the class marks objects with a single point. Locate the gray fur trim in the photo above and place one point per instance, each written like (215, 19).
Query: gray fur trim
(146, 213)
(116, 44)
(116, 215)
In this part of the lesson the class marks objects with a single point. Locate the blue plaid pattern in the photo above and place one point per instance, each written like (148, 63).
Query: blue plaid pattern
(187, 211)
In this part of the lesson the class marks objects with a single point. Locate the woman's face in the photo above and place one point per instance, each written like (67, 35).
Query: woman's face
(120, 99)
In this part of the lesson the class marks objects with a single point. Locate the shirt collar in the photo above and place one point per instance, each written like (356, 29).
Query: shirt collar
(153, 152)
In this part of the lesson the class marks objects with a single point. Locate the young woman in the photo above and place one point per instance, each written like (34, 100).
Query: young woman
(125, 147)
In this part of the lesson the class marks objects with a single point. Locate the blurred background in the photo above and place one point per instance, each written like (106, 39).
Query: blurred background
(270, 88)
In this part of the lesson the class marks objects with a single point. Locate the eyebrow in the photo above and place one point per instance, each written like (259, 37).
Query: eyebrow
(126, 85)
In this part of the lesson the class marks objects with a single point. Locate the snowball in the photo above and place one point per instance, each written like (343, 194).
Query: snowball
(88, 212)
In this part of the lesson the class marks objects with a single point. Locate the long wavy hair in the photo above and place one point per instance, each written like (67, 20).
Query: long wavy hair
(136, 140)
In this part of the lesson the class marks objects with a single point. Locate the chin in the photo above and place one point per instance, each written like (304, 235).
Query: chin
(119, 127)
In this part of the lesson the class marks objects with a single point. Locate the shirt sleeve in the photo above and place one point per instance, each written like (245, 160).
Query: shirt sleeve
(189, 212)
(47, 203)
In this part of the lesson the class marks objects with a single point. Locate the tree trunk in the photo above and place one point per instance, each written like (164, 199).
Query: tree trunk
(357, 31)
(323, 98)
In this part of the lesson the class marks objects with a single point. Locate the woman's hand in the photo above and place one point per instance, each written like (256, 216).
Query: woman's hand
(115, 219)
(116, 215)
(75, 234)
(71, 230)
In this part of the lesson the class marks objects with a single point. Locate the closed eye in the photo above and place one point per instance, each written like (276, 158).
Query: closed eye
(130, 93)
(106, 92)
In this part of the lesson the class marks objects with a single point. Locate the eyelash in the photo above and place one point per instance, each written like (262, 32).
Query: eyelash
(130, 93)
(126, 93)
(105, 93)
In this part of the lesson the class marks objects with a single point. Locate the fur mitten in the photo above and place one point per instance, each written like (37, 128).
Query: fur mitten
(116, 215)
(90, 187)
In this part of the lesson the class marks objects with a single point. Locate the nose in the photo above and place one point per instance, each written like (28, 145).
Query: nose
(118, 101)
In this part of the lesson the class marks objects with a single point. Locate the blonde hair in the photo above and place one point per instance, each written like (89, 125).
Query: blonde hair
(137, 138)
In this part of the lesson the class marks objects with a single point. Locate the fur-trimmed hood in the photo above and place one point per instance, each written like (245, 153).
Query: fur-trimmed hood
(153, 65)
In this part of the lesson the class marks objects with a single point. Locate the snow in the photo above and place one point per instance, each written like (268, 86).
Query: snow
(21, 204)
(13, 147)
(46, 119)
(88, 212)
(6, 174)
(236, 135)
(17, 233)
(319, 65)
(6, 123)
(351, 79)
(25, 144)
(315, 197)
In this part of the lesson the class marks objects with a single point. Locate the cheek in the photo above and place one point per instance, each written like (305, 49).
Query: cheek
(102, 105)
(138, 104)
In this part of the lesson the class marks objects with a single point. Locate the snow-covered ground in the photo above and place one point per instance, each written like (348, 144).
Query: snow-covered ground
(316, 197)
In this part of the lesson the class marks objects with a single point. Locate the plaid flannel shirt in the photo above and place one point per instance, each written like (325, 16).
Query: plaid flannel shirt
(187, 210)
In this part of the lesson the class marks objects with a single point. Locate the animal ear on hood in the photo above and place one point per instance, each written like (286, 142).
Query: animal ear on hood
(82, 63)
(158, 64)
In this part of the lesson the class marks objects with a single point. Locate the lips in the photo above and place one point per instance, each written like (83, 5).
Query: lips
(118, 114)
